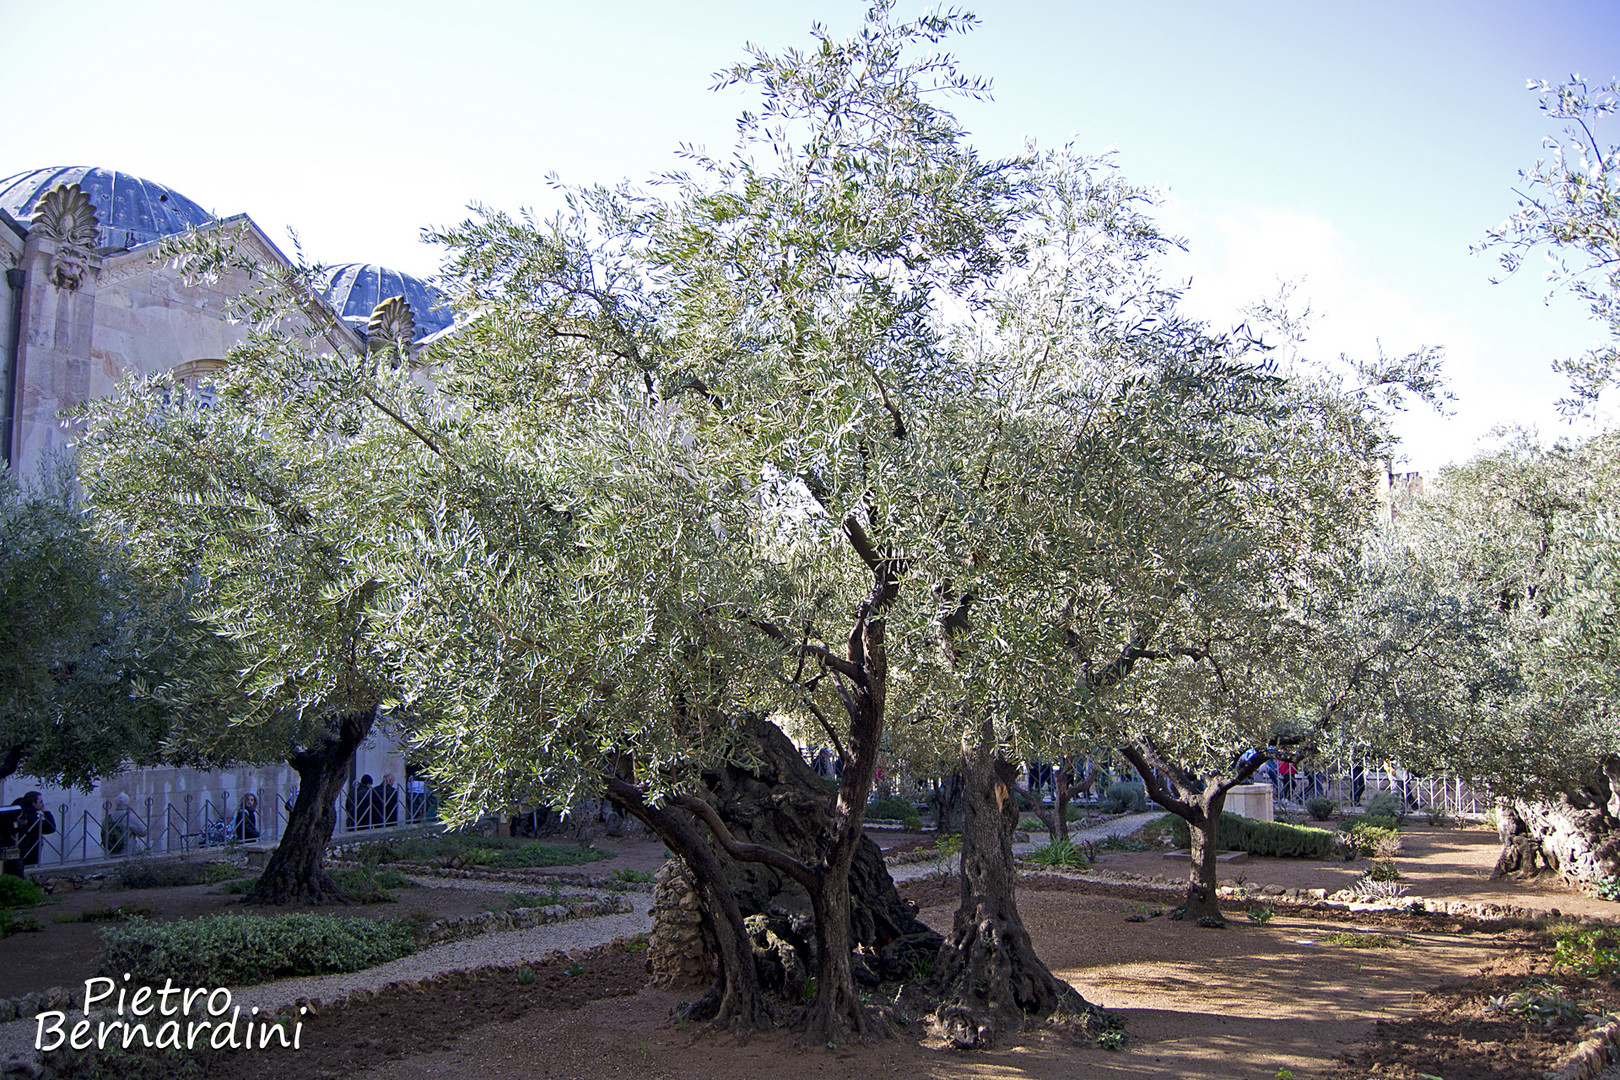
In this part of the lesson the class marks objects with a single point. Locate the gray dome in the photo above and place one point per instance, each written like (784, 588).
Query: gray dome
(132, 211)
(354, 289)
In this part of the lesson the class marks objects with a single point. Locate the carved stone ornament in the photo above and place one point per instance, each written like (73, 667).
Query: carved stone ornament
(391, 325)
(65, 214)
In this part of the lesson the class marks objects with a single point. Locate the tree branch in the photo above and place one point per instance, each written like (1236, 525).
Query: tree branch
(776, 860)
(820, 652)
(883, 393)
(1156, 790)
(404, 423)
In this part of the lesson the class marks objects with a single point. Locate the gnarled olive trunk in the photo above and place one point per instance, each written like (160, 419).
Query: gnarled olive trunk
(991, 977)
(297, 868)
(733, 1001)
(1576, 835)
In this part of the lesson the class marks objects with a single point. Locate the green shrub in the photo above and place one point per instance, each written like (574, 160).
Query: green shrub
(1123, 798)
(1371, 821)
(11, 923)
(108, 913)
(1607, 889)
(215, 872)
(1260, 915)
(547, 855)
(890, 808)
(1060, 853)
(633, 877)
(19, 892)
(1590, 952)
(1320, 809)
(1541, 1002)
(1383, 870)
(1387, 804)
(1273, 838)
(368, 884)
(1374, 840)
(512, 901)
(913, 822)
(152, 874)
(1123, 843)
(237, 950)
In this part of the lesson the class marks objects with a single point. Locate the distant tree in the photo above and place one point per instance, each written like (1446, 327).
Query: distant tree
(79, 634)
(1536, 525)
(1521, 543)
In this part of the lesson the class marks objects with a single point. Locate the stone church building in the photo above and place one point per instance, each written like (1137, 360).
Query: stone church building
(87, 304)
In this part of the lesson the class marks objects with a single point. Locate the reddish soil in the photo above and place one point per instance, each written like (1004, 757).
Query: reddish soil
(1242, 1003)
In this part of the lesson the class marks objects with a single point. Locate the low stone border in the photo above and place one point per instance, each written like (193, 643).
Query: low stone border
(1321, 901)
(1590, 1057)
(466, 926)
(438, 932)
(528, 876)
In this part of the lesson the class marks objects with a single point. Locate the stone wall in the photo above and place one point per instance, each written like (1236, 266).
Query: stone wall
(678, 956)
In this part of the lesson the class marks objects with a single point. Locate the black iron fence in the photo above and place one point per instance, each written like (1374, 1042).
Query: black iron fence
(183, 823)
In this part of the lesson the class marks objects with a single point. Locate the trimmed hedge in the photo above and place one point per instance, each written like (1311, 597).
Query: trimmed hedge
(890, 808)
(236, 950)
(1275, 838)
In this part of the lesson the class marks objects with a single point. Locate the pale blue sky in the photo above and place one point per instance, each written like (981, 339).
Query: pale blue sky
(1363, 145)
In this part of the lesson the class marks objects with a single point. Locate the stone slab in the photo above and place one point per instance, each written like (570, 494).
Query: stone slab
(1224, 857)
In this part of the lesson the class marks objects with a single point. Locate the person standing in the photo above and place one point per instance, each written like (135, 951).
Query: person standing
(390, 802)
(33, 823)
(416, 796)
(1286, 773)
(358, 809)
(120, 827)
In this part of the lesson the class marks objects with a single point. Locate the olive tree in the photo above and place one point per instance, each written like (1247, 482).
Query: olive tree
(258, 496)
(1520, 544)
(1569, 210)
(80, 632)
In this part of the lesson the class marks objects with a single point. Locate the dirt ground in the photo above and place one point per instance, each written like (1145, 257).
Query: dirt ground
(1243, 1003)
(1452, 864)
(1236, 1004)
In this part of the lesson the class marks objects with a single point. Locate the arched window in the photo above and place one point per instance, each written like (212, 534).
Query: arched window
(195, 381)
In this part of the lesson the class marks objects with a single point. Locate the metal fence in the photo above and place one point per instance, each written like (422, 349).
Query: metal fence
(181, 824)
(1357, 783)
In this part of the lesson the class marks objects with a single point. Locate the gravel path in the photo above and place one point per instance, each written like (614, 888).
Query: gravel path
(1122, 826)
(500, 947)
